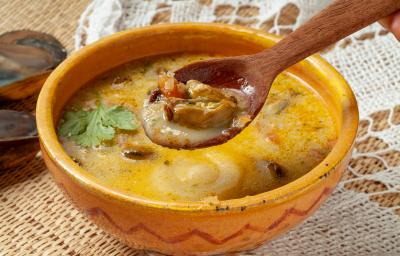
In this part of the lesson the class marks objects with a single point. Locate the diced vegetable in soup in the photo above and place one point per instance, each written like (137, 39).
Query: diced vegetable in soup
(101, 131)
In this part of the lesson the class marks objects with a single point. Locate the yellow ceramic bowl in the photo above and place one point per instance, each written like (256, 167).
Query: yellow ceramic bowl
(194, 228)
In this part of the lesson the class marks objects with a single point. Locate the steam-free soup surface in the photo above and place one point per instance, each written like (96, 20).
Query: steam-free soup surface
(291, 135)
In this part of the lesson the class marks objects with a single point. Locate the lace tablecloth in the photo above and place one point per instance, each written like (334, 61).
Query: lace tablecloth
(362, 217)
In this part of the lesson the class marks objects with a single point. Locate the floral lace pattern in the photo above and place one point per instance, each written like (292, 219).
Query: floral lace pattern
(362, 217)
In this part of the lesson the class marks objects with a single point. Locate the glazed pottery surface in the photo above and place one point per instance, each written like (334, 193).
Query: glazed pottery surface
(198, 227)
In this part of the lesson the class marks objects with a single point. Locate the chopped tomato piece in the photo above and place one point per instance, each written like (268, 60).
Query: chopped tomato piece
(170, 87)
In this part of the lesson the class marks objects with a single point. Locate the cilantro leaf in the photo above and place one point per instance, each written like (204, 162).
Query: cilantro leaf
(119, 117)
(90, 128)
(74, 123)
(95, 131)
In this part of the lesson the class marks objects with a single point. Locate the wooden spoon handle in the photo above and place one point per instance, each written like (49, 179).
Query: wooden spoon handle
(338, 20)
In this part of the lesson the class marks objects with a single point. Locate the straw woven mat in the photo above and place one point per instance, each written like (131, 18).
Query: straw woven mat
(35, 218)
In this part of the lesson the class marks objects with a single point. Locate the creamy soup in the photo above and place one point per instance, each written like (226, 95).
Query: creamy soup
(290, 136)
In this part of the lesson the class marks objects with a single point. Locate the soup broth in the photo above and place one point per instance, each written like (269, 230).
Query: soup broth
(293, 132)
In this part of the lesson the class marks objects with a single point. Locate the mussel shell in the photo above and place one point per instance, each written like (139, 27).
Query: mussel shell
(26, 59)
(15, 126)
(38, 40)
(18, 138)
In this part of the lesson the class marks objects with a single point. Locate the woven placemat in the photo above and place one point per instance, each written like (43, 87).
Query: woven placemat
(35, 217)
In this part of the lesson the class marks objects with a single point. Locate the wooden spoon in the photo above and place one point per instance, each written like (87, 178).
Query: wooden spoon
(254, 74)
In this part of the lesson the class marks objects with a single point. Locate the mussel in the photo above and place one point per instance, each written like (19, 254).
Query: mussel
(18, 138)
(26, 59)
(181, 115)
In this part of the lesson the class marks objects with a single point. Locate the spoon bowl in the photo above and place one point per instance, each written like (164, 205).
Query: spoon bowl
(233, 73)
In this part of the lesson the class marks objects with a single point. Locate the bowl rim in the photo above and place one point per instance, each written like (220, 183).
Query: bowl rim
(52, 146)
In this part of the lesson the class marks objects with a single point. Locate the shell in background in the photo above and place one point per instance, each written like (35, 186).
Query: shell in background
(18, 138)
(26, 59)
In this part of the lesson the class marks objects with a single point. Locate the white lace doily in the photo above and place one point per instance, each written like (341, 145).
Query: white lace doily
(362, 217)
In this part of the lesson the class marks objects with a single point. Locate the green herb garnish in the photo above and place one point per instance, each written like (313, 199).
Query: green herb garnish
(90, 128)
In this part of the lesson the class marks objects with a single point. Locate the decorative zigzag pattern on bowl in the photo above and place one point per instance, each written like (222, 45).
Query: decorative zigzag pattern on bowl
(96, 211)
